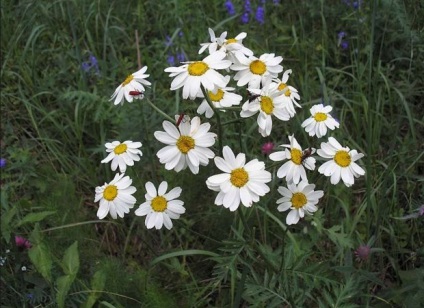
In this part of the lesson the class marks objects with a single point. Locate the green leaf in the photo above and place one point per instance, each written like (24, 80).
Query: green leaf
(70, 261)
(338, 237)
(63, 285)
(107, 304)
(35, 217)
(6, 219)
(97, 285)
(40, 256)
(183, 253)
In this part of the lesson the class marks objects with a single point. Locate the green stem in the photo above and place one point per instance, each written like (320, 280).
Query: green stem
(243, 220)
(231, 108)
(160, 111)
(231, 121)
(218, 119)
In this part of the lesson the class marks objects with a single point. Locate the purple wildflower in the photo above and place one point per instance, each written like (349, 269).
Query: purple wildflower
(93, 60)
(260, 15)
(344, 44)
(2, 162)
(362, 252)
(267, 148)
(247, 11)
(247, 6)
(171, 60)
(421, 210)
(181, 57)
(354, 4)
(85, 66)
(168, 41)
(230, 7)
(22, 242)
(94, 63)
(245, 18)
(341, 35)
(91, 63)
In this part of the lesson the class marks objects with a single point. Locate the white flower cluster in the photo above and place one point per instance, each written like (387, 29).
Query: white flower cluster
(188, 141)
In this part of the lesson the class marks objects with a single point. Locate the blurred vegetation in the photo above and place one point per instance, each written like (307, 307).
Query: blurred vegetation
(56, 117)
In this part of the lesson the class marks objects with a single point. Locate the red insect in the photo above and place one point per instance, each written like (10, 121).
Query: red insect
(182, 118)
(135, 93)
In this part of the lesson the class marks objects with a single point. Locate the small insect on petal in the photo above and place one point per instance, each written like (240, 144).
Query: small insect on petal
(182, 119)
(307, 153)
(135, 93)
(251, 96)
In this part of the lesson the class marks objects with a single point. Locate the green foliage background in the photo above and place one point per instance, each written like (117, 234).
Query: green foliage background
(55, 119)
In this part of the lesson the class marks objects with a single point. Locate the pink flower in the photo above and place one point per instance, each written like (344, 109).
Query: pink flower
(22, 242)
(362, 252)
(267, 148)
(421, 210)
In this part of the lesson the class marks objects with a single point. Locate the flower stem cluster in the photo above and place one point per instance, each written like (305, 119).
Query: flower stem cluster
(188, 142)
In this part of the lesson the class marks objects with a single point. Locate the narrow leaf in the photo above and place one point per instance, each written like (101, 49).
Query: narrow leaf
(63, 285)
(35, 217)
(40, 256)
(97, 285)
(70, 262)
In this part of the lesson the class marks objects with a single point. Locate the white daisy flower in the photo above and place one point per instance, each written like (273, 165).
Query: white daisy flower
(241, 182)
(192, 75)
(187, 145)
(290, 93)
(122, 154)
(319, 121)
(160, 206)
(215, 44)
(269, 101)
(232, 46)
(220, 98)
(294, 169)
(253, 71)
(300, 199)
(342, 164)
(131, 88)
(115, 197)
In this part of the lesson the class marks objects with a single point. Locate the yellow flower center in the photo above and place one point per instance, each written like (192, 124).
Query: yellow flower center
(239, 177)
(288, 93)
(110, 192)
(298, 200)
(231, 40)
(159, 204)
(119, 149)
(197, 68)
(185, 144)
(266, 104)
(217, 96)
(296, 156)
(257, 67)
(128, 80)
(320, 117)
(342, 158)
(282, 86)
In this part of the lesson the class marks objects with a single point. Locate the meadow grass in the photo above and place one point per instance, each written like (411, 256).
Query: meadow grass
(56, 118)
